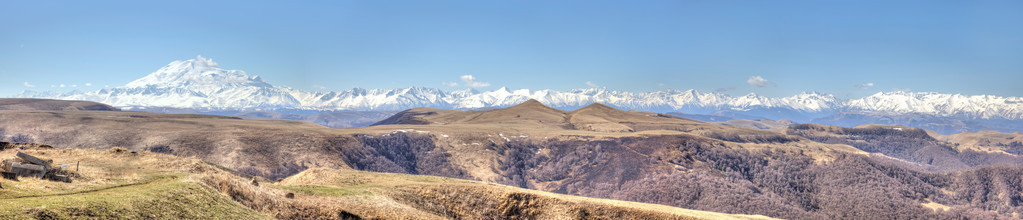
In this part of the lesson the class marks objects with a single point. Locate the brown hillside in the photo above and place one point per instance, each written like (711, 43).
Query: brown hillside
(268, 148)
(599, 117)
(985, 141)
(928, 149)
(463, 199)
(534, 115)
(529, 114)
(122, 184)
(806, 174)
(19, 104)
(416, 116)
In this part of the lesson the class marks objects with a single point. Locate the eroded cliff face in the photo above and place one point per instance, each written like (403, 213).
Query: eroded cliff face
(825, 172)
(707, 174)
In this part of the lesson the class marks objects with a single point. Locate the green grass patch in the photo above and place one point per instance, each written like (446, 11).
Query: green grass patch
(164, 197)
(335, 191)
(13, 190)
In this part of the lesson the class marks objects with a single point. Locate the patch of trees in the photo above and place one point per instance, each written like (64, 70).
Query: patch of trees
(285, 170)
(400, 153)
(792, 186)
(758, 137)
(1015, 147)
(998, 188)
(16, 138)
(21, 138)
(909, 144)
(518, 161)
(700, 173)
(160, 148)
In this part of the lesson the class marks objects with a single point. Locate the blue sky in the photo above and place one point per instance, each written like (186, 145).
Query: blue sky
(969, 47)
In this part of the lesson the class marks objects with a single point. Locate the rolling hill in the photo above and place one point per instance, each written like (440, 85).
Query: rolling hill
(118, 183)
(52, 105)
(807, 172)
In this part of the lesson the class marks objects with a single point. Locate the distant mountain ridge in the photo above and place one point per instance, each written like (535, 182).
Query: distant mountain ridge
(201, 84)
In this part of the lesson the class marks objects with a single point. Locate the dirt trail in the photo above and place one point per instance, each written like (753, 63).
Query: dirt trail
(150, 181)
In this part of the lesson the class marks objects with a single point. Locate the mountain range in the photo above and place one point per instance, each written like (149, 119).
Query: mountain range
(200, 84)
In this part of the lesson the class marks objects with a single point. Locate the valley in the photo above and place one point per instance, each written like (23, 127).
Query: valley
(118, 183)
(801, 172)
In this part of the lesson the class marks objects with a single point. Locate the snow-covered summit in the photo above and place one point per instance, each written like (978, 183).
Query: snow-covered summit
(200, 83)
(196, 83)
(197, 74)
(939, 104)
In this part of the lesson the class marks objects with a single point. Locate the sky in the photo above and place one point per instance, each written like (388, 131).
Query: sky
(773, 48)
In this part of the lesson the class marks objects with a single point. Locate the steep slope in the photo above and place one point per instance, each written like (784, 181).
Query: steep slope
(985, 141)
(118, 183)
(664, 160)
(909, 144)
(462, 199)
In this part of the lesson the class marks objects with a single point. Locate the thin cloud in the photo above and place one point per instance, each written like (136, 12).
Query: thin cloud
(319, 87)
(591, 84)
(865, 85)
(61, 85)
(74, 85)
(470, 81)
(900, 89)
(88, 84)
(29, 85)
(722, 90)
(450, 84)
(757, 81)
(660, 84)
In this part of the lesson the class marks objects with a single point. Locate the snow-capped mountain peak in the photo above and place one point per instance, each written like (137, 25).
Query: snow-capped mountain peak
(196, 83)
(199, 73)
(202, 84)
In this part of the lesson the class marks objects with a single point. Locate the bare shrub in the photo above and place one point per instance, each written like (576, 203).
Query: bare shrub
(160, 148)
(269, 201)
(21, 138)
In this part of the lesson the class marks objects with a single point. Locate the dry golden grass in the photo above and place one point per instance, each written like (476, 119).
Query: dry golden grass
(257, 144)
(983, 141)
(934, 205)
(119, 183)
(464, 199)
(464, 134)
(19, 104)
(534, 121)
(762, 124)
(261, 147)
